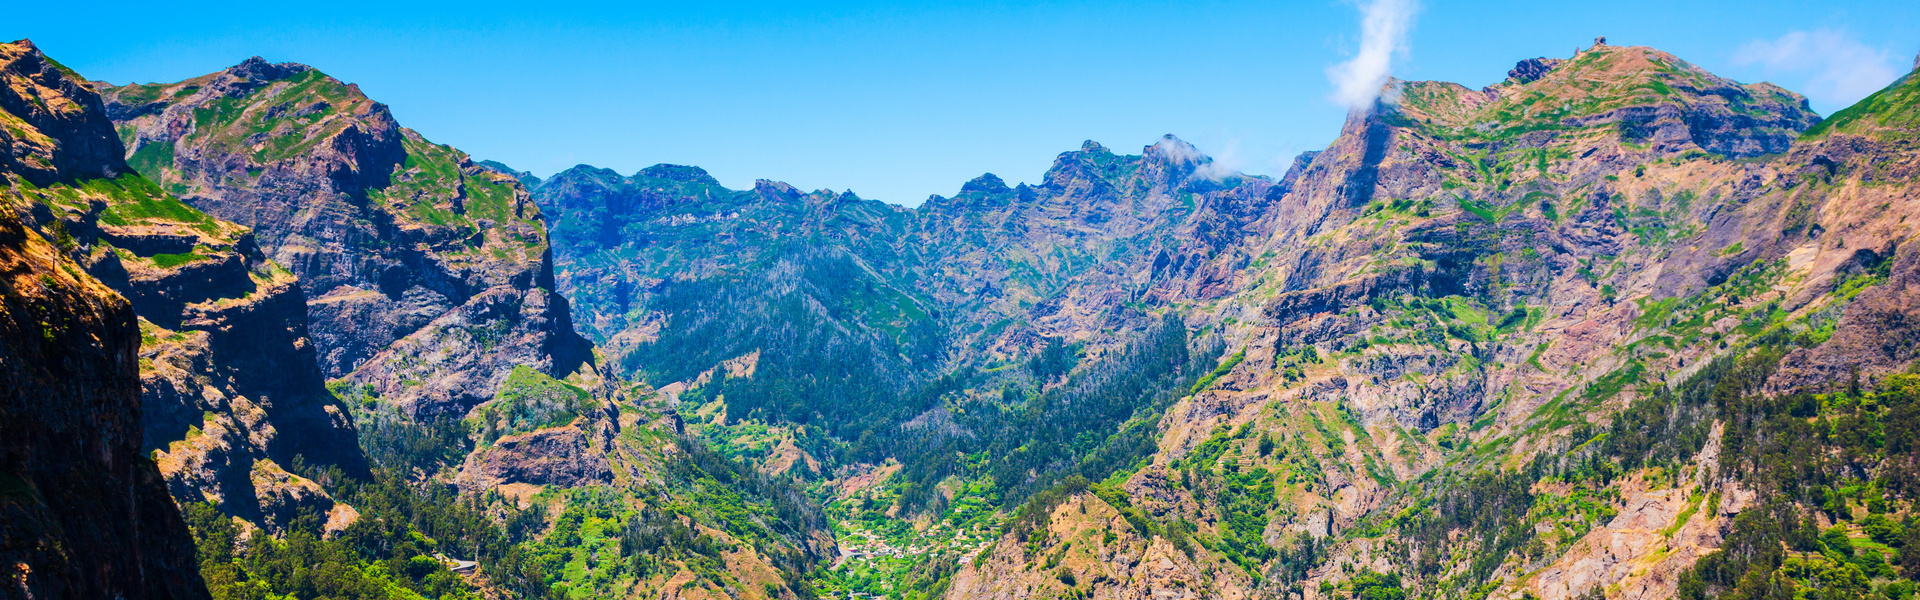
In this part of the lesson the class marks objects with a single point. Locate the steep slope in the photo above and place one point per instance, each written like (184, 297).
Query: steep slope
(749, 308)
(1467, 287)
(84, 514)
(1425, 359)
(229, 390)
(432, 304)
(419, 265)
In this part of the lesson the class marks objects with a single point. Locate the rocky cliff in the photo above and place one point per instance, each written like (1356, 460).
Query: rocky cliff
(427, 285)
(426, 275)
(86, 513)
(229, 389)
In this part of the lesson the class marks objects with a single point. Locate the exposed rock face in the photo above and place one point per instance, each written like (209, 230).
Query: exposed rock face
(83, 513)
(558, 456)
(224, 334)
(66, 136)
(400, 245)
(422, 283)
(1532, 69)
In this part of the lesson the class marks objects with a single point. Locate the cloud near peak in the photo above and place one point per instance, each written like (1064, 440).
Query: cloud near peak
(1384, 25)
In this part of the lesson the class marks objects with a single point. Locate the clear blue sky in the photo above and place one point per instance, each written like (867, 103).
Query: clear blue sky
(898, 101)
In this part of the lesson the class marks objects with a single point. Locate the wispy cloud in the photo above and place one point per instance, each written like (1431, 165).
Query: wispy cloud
(1383, 35)
(1228, 163)
(1834, 68)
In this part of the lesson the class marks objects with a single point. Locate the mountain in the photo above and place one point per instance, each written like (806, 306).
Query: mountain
(230, 395)
(1431, 358)
(86, 514)
(403, 246)
(426, 283)
(229, 390)
(1614, 327)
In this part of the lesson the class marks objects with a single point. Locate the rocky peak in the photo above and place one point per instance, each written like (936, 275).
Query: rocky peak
(1643, 100)
(777, 191)
(1532, 69)
(67, 135)
(396, 241)
(258, 69)
(1172, 162)
(985, 191)
(1089, 167)
(985, 184)
(680, 173)
(1175, 151)
(526, 178)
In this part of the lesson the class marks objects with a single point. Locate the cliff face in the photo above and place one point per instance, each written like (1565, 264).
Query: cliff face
(228, 383)
(418, 265)
(426, 283)
(85, 513)
(1500, 271)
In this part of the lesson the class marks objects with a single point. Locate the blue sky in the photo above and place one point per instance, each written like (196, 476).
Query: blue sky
(900, 100)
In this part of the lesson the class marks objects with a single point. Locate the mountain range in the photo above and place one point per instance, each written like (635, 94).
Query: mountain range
(1615, 327)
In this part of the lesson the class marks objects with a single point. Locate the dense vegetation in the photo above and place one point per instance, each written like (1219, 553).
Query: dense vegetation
(395, 549)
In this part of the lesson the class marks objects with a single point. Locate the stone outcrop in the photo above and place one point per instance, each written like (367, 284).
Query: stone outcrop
(558, 456)
(1532, 69)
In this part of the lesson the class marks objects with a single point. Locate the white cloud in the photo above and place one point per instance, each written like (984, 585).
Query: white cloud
(1383, 35)
(1835, 69)
(1228, 163)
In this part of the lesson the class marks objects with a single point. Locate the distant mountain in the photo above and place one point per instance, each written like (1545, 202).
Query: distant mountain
(526, 177)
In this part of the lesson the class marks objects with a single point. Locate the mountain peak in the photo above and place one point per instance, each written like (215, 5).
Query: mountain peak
(680, 173)
(782, 190)
(1176, 150)
(1623, 88)
(987, 183)
(1532, 69)
(258, 69)
(49, 101)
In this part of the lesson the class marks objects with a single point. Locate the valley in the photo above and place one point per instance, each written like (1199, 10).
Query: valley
(1614, 327)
